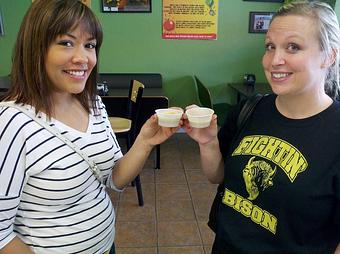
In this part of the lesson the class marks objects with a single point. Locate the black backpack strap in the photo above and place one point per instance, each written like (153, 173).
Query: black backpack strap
(247, 110)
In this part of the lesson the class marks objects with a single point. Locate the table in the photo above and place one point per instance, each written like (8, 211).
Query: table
(245, 91)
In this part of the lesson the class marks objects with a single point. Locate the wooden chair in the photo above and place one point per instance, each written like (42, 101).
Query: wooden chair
(126, 127)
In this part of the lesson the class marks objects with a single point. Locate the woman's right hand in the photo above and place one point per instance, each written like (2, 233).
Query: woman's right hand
(201, 135)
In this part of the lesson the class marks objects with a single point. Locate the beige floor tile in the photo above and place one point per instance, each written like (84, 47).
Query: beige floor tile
(196, 176)
(190, 161)
(175, 210)
(202, 191)
(170, 155)
(170, 176)
(128, 211)
(136, 234)
(147, 176)
(172, 192)
(186, 142)
(150, 162)
(171, 159)
(130, 194)
(181, 250)
(207, 249)
(177, 200)
(136, 250)
(202, 209)
(207, 234)
(171, 143)
(178, 233)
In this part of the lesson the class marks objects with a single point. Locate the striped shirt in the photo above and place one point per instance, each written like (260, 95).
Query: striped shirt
(49, 197)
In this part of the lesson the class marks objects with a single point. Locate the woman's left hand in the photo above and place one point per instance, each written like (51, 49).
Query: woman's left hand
(153, 134)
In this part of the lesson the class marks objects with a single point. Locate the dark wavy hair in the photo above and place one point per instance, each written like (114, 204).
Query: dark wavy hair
(44, 21)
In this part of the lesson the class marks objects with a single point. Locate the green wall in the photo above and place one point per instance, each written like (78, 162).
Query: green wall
(337, 9)
(133, 43)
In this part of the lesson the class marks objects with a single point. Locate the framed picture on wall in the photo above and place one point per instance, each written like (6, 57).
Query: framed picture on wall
(259, 21)
(126, 6)
(274, 1)
(2, 31)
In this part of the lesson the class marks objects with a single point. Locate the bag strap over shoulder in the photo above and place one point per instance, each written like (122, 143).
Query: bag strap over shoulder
(247, 110)
(95, 170)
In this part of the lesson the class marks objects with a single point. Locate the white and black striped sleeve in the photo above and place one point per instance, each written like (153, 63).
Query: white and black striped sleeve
(12, 169)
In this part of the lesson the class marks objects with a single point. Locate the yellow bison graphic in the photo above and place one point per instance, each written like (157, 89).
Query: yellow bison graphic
(258, 176)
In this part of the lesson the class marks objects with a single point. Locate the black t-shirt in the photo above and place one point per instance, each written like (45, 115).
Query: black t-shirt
(282, 183)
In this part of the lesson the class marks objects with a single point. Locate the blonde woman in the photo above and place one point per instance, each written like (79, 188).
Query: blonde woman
(281, 173)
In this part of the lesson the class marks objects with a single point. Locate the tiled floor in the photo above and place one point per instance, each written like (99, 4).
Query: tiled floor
(177, 200)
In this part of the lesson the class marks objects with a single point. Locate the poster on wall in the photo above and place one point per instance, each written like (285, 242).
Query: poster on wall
(190, 19)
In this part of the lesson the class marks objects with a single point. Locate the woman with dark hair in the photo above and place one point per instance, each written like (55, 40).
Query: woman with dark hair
(281, 171)
(52, 196)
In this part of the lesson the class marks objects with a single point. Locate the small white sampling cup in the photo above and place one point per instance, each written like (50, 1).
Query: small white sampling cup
(199, 117)
(169, 117)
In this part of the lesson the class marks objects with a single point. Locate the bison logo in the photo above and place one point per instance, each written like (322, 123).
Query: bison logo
(258, 176)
